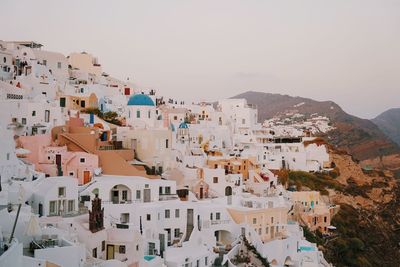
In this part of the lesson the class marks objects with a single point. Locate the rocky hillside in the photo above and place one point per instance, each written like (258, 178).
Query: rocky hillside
(389, 123)
(368, 222)
(359, 137)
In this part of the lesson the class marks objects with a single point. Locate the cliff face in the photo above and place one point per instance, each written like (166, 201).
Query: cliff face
(359, 137)
(368, 222)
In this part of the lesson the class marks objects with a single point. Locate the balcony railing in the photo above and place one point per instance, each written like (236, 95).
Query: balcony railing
(168, 197)
(218, 222)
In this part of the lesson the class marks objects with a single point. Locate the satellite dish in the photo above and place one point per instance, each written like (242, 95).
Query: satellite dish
(97, 171)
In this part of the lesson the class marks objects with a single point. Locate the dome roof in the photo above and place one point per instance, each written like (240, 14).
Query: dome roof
(140, 100)
(183, 125)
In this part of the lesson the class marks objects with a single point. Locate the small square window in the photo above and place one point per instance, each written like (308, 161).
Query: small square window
(61, 192)
(218, 216)
(121, 249)
(148, 217)
(215, 180)
(59, 65)
(34, 113)
(82, 160)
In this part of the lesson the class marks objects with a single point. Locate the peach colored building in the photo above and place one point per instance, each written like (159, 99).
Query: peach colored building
(267, 220)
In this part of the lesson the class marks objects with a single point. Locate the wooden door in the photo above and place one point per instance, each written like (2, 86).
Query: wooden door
(86, 177)
(110, 252)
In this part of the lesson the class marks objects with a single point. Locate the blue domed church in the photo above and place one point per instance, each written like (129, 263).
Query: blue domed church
(141, 111)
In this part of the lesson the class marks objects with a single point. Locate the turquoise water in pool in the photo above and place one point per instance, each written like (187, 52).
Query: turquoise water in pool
(307, 249)
(149, 257)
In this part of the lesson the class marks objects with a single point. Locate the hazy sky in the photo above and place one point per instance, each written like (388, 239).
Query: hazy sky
(347, 51)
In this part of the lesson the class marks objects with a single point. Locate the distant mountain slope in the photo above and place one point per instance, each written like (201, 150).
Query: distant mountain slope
(360, 137)
(389, 123)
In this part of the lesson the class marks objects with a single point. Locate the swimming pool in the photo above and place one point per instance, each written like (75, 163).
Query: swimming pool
(149, 257)
(303, 248)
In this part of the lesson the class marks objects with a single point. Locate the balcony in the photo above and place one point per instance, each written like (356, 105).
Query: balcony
(219, 222)
(164, 197)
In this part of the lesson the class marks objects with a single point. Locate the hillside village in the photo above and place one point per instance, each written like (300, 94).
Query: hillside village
(98, 172)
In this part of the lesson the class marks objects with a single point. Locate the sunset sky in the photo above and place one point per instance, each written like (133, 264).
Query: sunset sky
(347, 51)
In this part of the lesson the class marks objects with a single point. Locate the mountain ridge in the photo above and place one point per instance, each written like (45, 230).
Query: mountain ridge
(389, 123)
(359, 137)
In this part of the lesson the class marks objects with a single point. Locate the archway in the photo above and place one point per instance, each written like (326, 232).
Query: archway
(228, 191)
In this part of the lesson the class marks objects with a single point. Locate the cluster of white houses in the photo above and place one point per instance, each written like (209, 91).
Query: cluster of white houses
(172, 184)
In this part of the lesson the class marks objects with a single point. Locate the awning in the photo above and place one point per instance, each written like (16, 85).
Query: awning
(331, 227)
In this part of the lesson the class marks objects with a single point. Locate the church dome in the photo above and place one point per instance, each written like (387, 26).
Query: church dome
(183, 125)
(140, 100)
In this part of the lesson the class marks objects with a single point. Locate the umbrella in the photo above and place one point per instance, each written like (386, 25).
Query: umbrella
(33, 228)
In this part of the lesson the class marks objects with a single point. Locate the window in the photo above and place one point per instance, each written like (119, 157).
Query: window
(149, 114)
(175, 118)
(8, 156)
(62, 102)
(167, 214)
(166, 143)
(266, 230)
(167, 190)
(137, 247)
(71, 173)
(23, 121)
(82, 160)
(83, 104)
(33, 113)
(272, 219)
(125, 195)
(254, 220)
(198, 263)
(137, 194)
(206, 261)
(148, 217)
(71, 205)
(94, 253)
(52, 207)
(137, 113)
(325, 219)
(61, 192)
(124, 217)
(121, 249)
(243, 121)
(103, 245)
(177, 213)
(215, 180)
(176, 232)
(44, 62)
(47, 115)
(211, 216)
(259, 231)
(4, 59)
(59, 65)
(218, 216)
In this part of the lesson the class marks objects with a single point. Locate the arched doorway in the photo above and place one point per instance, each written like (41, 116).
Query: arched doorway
(228, 191)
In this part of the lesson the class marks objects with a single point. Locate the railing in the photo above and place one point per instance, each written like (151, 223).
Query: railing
(122, 202)
(69, 214)
(217, 222)
(168, 197)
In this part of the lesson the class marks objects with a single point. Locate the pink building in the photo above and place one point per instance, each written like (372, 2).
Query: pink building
(56, 160)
